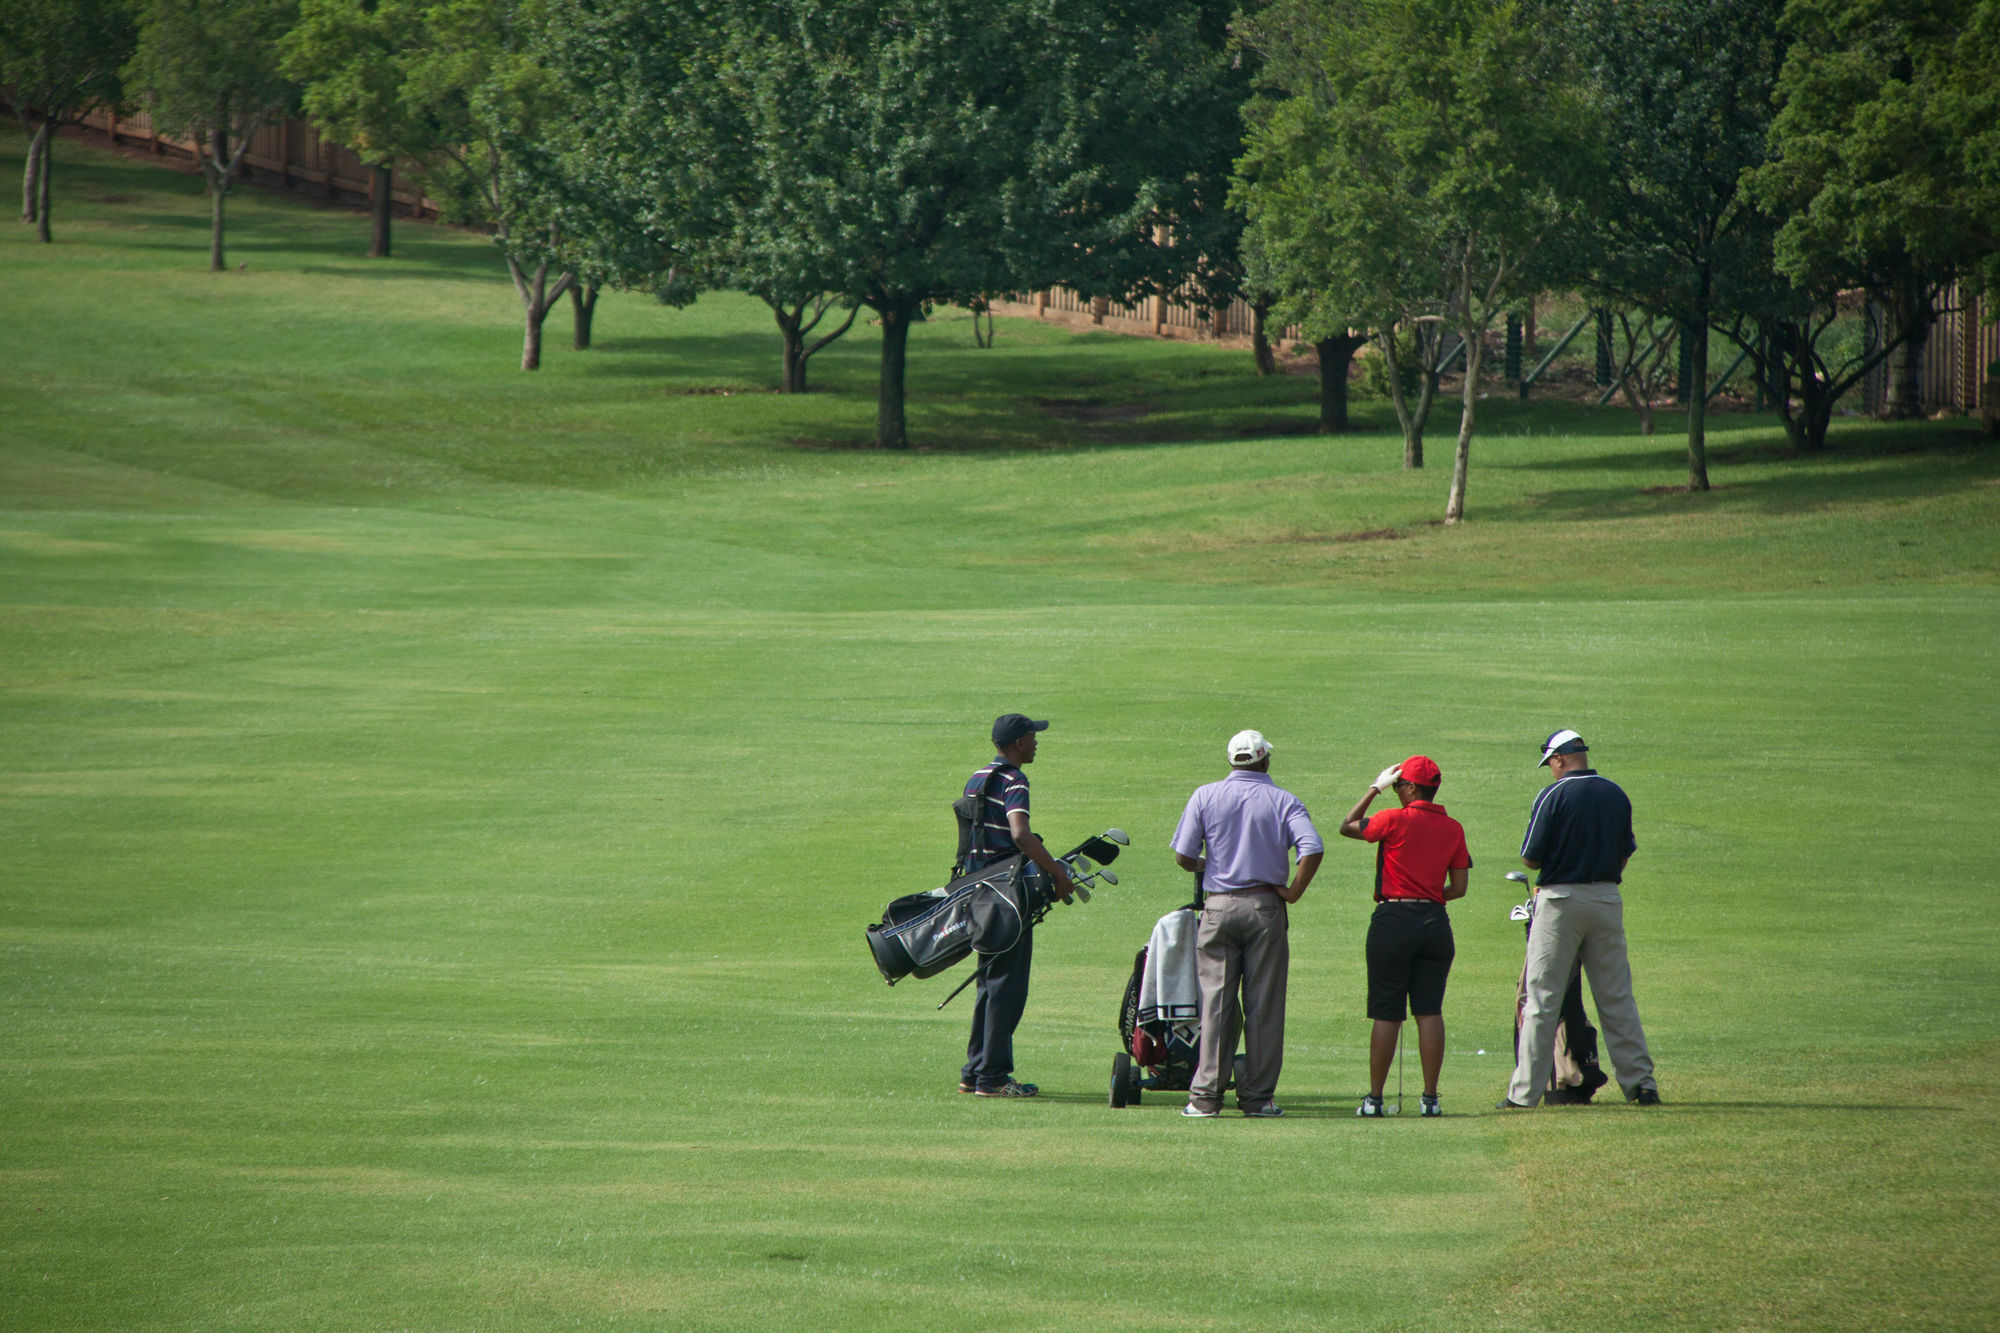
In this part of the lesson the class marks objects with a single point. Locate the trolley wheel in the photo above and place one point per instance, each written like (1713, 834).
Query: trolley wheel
(1121, 1078)
(1133, 1090)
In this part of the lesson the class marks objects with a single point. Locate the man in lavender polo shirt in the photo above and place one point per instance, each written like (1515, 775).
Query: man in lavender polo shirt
(1249, 824)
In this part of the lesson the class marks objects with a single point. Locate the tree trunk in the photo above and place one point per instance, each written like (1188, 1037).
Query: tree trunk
(1411, 419)
(1906, 374)
(789, 323)
(48, 169)
(1819, 416)
(1698, 409)
(531, 336)
(536, 301)
(1413, 434)
(1260, 342)
(1336, 354)
(381, 192)
(583, 310)
(795, 328)
(217, 171)
(31, 175)
(889, 427)
(1454, 505)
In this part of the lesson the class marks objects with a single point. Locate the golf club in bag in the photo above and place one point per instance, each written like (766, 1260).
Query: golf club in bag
(1575, 1076)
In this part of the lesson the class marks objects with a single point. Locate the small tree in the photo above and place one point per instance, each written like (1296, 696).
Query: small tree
(209, 69)
(1645, 362)
(1417, 162)
(351, 59)
(1291, 247)
(58, 59)
(1680, 98)
(637, 173)
(1870, 185)
(927, 150)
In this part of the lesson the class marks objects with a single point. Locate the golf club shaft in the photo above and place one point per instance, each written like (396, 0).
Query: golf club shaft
(974, 976)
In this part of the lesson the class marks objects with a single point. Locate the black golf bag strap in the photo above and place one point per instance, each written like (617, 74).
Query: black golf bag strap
(973, 841)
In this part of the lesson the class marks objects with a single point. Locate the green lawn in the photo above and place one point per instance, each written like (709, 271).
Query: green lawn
(439, 807)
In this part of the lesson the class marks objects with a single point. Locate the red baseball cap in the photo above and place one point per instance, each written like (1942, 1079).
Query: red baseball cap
(1421, 771)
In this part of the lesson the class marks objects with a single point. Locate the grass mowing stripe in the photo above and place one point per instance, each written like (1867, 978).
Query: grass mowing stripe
(440, 806)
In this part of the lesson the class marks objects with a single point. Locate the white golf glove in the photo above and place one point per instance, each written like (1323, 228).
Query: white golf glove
(1387, 778)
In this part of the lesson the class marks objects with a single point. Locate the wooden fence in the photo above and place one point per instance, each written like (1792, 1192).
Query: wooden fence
(1954, 361)
(1953, 369)
(287, 153)
(1154, 316)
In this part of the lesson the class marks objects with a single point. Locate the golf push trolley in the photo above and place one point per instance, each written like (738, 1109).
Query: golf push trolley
(1159, 1020)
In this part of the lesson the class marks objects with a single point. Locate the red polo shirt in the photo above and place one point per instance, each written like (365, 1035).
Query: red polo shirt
(1419, 843)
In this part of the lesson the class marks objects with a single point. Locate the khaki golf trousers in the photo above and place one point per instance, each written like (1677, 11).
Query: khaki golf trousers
(1571, 921)
(1244, 942)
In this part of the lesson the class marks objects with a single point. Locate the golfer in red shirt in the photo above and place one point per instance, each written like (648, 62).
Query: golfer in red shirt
(1420, 865)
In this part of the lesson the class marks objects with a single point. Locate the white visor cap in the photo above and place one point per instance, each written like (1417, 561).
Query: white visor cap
(1562, 742)
(1247, 747)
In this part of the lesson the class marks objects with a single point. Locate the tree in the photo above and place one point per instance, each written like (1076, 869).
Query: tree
(1869, 185)
(58, 59)
(208, 69)
(1647, 362)
(1680, 96)
(351, 60)
(1289, 254)
(1417, 162)
(459, 88)
(1967, 91)
(931, 150)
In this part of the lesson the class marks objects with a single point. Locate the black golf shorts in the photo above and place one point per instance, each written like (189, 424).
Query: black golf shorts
(1409, 955)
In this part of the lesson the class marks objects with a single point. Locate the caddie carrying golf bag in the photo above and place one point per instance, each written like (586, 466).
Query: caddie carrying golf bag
(983, 910)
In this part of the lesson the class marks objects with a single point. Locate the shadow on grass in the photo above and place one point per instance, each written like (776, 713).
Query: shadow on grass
(750, 358)
(1860, 465)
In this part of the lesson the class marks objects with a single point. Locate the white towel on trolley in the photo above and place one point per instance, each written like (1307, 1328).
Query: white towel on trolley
(1169, 991)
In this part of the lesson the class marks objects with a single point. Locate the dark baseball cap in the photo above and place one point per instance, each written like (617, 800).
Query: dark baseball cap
(1562, 742)
(1010, 727)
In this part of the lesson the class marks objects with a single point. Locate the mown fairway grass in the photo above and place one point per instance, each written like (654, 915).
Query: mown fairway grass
(439, 807)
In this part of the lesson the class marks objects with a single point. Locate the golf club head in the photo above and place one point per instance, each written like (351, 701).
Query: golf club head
(1519, 877)
(1108, 876)
(1082, 894)
(1522, 912)
(1081, 864)
(1118, 836)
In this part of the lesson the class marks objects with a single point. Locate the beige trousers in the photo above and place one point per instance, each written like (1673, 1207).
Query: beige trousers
(1244, 943)
(1572, 920)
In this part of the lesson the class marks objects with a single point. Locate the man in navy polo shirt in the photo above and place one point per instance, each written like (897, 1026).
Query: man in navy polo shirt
(1579, 839)
(1002, 993)
(1421, 864)
(1249, 825)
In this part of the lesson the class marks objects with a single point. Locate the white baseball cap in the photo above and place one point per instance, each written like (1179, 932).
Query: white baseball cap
(1247, 747)
(1562, 742)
